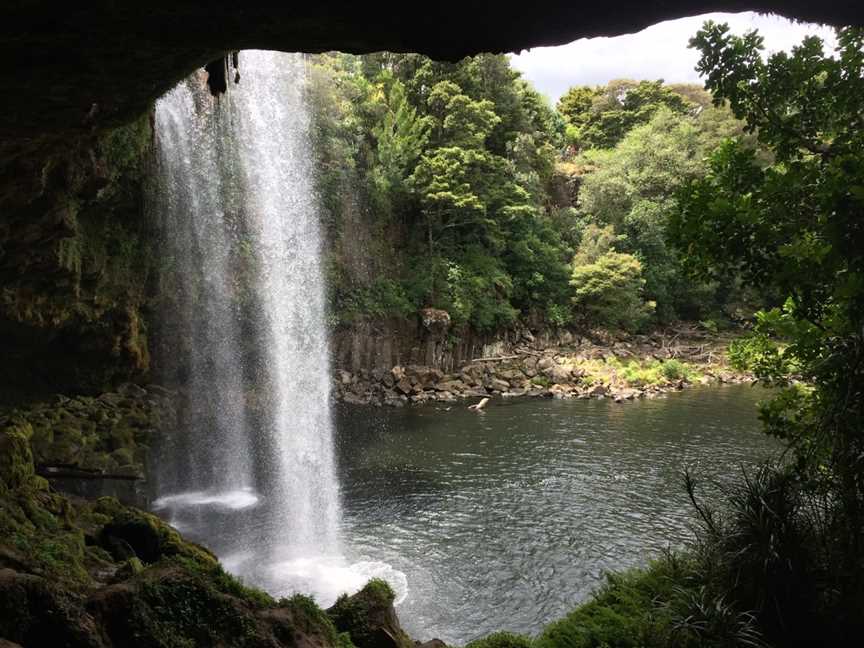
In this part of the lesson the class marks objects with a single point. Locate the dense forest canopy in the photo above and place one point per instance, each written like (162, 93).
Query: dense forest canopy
(482, 199)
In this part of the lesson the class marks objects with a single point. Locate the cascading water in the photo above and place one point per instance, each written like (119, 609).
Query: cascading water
(251, 471)
(277, 161)
(201, 237)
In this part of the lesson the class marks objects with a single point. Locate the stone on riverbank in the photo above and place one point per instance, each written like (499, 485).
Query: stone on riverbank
(640, 367)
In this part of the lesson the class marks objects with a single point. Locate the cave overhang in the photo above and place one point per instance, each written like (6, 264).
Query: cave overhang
(74, 68)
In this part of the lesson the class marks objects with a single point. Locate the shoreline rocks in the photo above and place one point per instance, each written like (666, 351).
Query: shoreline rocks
(623, 371)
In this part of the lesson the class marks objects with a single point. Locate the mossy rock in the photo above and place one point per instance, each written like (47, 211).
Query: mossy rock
(16, 458)
(149, 537)
(34, 611)
(123, 456)
(368, 617)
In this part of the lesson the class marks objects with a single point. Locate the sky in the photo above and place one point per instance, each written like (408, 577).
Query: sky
(658, 52)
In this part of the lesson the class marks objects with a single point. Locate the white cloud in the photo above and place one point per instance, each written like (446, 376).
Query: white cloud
(658, 52)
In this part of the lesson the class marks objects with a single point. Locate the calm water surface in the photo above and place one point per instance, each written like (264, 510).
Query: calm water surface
(506, 520)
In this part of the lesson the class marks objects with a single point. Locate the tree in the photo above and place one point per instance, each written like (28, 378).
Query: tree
(796, 224)
(401, 137)
(608, 284)
(615, 109)
(633, 187)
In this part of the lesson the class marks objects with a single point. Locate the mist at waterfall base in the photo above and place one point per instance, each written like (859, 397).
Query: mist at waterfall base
(249, 471)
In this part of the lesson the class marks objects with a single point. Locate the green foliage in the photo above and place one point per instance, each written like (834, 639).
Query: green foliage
(674, 370)
(608, 285)
(311, 619)
(382, 298)
(642, 373)
(633, 188)
(455, 162)
(476, 289)
(792, 222)
(502, 640)
(625, 613)
(600, 117)
(452, 161)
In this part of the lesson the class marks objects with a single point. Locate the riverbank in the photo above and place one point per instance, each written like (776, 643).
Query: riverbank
(599, 366)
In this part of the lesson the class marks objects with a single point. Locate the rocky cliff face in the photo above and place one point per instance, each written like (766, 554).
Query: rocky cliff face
(76, 262)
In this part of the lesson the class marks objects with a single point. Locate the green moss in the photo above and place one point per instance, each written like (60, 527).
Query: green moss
(225, 582)
(502, 640)
(380, 590)
(183, 610)
(366, 613)
(310, 618)
(123, 456)
(59, 558)
(541, 381)
(124, 147)
(16, 458)
(150, 537)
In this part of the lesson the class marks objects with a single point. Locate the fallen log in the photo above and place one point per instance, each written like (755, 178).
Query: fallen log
(477, 407)
(75, 472)
(497, 358)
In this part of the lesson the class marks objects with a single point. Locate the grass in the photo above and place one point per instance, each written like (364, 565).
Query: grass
(637, 373)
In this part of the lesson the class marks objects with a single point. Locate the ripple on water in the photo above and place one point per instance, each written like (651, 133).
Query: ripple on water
(518, 513)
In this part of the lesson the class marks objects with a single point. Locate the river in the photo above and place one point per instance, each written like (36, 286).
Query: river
(508, 519)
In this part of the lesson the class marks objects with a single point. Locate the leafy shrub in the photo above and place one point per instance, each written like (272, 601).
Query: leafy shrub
(623, 613)
(674, 370)
(774, 549)
(607, 284)
(382, 298)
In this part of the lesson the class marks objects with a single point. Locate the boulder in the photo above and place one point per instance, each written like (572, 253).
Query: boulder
(423, 376)
(529, 366)
(453, 386)
(598, 391)
(496, 384)
(473, 373)
(146, 535)
(369, 617)
(405, 386)
(511, 375)
(435, 320)
(34, 613)
(432, 643)
(560, 374)
(544, 363)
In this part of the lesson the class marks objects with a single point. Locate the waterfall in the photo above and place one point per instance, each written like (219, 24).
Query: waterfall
(251, 470)
(277, 161)
(201, 237)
